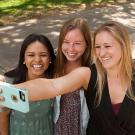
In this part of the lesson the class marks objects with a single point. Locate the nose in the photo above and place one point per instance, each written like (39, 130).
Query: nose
(37, 58)
(101, 51)
(71, 46)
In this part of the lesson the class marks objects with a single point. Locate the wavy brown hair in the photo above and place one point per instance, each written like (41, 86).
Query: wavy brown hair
(69, 25)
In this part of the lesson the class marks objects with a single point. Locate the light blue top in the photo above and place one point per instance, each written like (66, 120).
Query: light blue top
(38, 121)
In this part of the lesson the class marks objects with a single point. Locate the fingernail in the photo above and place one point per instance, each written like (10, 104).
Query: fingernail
(1, 91)
(2, 99)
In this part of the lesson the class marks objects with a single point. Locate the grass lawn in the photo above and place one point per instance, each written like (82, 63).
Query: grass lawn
(17, 9)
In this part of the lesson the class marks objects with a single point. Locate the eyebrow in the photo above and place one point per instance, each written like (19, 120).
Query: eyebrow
(74, 41)
(103, 44)
(34, 52)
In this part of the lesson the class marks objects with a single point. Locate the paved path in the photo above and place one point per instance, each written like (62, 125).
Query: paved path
(11, 36)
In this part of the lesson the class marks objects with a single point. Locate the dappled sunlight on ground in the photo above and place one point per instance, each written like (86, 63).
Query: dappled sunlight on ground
(11, 36)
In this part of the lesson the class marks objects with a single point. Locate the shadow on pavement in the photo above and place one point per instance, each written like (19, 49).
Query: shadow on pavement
(13, 35)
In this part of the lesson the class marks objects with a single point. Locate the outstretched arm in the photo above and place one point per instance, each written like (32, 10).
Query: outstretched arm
(4, 122)
(4, 115)
(48, 88)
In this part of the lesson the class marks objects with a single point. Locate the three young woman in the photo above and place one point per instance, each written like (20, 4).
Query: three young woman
(108, 82)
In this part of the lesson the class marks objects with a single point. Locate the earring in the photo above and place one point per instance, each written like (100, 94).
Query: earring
(50, 62)
(24, 62)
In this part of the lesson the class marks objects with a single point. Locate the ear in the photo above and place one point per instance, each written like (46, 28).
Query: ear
(50, 60)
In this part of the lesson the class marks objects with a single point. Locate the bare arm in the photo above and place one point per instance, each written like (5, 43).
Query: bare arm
(4, 122)
(48, 88)
(4, 116)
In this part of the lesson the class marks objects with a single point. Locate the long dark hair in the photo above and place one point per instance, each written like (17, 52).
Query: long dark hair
(19, 73)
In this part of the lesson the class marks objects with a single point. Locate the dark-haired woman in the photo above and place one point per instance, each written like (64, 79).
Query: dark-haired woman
(36, 61)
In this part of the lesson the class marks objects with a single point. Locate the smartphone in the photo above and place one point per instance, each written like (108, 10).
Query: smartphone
(14, 98)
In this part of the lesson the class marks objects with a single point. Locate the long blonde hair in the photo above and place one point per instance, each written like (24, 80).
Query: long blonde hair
(120, 33)
(69, 25)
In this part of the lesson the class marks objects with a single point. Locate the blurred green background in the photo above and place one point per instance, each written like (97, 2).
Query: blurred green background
(19, 7)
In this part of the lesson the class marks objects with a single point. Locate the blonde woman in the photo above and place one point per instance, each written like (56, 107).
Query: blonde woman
(110, 95)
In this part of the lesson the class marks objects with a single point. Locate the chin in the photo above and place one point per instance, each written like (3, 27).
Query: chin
(106, 66)
(38, 74)
(71, 60)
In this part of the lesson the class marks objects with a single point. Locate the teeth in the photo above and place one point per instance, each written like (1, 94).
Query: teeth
(71, 54)
(103, 59)
(37, 66)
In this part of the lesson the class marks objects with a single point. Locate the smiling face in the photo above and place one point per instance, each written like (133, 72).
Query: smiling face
(108, 50)
(73, 45)
(36, 59)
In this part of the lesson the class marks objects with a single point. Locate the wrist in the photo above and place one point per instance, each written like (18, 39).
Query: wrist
(4, 109)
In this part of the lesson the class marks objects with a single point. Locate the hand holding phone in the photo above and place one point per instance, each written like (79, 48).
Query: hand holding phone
(14, 98)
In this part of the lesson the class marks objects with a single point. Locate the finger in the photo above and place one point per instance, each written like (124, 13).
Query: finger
(2, 98)
(2, 78)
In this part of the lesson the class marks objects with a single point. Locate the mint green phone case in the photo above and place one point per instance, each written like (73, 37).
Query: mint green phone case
(15, 98)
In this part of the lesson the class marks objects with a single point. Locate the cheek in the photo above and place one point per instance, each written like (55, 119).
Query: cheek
(46, 62)
(118, 56)
(81, 50)
(27, 62)
(27, 65)
(63, 49)
(96, 52)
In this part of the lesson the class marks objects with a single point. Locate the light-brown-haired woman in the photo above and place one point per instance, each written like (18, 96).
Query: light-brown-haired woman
(74, 50)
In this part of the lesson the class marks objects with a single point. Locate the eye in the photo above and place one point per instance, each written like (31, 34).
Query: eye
(97, 46)
(30, 55)
(44, 55)
(77, 44)
(65, 42)
(108, 46)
